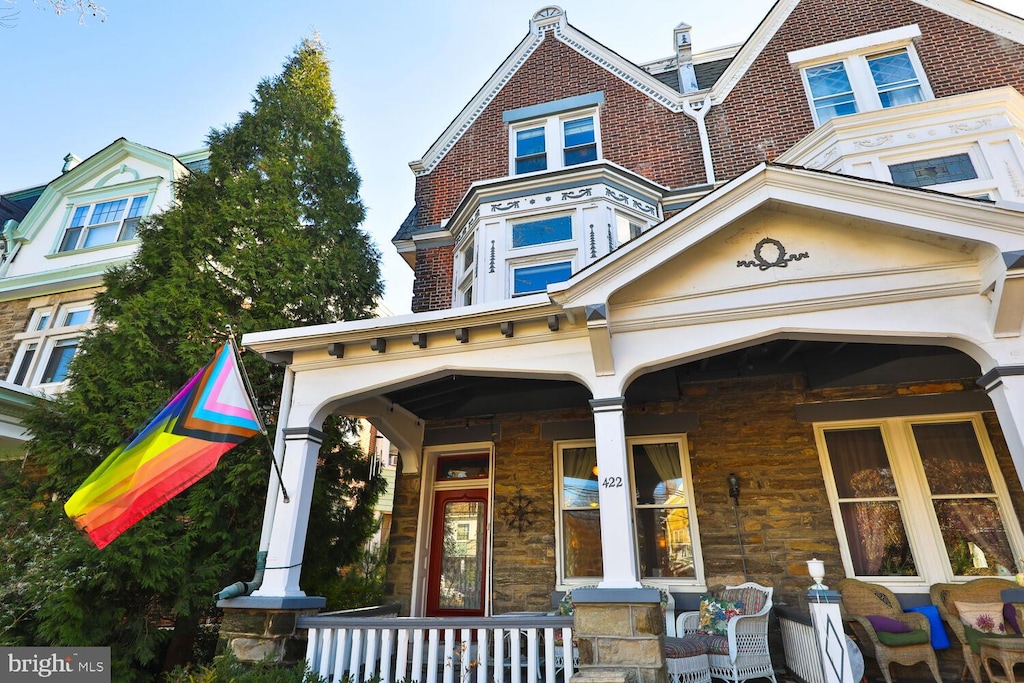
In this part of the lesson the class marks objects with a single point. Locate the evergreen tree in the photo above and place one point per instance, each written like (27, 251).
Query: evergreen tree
(268, 238)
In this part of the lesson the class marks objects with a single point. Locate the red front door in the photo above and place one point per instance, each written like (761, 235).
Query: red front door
(457, 578)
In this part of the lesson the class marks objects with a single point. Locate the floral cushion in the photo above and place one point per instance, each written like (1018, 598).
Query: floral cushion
(715, 614)
(986, 617)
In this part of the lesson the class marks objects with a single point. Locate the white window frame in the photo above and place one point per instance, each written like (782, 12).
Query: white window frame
(512, 264)
(45, 338)
(465, 274)
(695, 583)
(854, 54)
(915, 501)
(554, 138)
(87, 227)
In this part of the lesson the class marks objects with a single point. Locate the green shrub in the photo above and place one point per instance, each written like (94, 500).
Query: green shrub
(227, 669)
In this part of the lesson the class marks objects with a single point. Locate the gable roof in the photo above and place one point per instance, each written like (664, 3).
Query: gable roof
(970, 11)
(719, 76)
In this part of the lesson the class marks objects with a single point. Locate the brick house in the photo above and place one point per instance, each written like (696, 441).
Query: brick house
(58, 240)
(795, 260)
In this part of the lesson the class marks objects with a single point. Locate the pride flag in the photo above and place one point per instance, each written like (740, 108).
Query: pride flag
(208, 416)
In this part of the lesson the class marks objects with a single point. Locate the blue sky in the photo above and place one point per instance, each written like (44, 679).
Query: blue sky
(164, 73)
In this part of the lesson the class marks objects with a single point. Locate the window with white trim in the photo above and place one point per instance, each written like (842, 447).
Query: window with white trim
(93, 225)
(865, 73)
(554, 142)
(49, 344)
(662, 494)
(466, 278)
(918, 500)
(865, 83)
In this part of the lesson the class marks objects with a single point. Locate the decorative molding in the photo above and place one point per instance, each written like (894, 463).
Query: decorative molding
(964, 127)
(646, 208)
(611, 245)
(781, 260)
(490, 263)
(617, 197)
(1015, 182)
(578, 194)
(514, 204)
(593, 243)
(871, 143)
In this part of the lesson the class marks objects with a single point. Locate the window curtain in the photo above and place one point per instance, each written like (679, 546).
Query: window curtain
(861, 469)
(953, 464)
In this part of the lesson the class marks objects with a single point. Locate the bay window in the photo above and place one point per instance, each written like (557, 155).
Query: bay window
(918, 500)
(49, 344)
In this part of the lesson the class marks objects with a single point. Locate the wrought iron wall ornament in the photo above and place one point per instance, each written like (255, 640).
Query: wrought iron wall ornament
(774, 256)
(517, 512)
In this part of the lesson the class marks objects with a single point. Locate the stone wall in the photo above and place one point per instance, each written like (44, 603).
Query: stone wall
(746, 426)
(14, 317)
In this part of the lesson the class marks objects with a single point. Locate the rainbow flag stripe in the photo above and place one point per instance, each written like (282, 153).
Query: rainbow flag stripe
(208, 416)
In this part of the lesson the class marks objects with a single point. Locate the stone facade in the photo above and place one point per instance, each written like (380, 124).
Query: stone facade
(14, 316)
(746, 426)
(253, 635)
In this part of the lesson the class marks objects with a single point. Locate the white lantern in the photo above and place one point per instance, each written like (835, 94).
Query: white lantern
(816, 568)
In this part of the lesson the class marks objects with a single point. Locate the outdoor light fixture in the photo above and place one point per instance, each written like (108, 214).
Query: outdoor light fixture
(734, 488)
(816, 568)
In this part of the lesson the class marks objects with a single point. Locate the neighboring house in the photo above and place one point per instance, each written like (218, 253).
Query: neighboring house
(799, 260)
(58, 240)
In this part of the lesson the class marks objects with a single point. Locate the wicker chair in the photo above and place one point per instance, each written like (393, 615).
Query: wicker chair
(860, 600)
(748, 655)
(979, 590)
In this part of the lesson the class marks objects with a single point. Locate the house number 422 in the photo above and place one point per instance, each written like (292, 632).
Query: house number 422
(612, 482)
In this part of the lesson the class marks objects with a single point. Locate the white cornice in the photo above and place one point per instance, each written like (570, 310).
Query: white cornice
(549, 20)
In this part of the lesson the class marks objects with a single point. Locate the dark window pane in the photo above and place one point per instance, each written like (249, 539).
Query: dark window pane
(26, 362)
(579, 477)
(664, 543)
(579, 155)
(463, 467)
(582, 543)
(538, 162)
(658, 474)
(462, 555)
(580, 143)
(877, 539)
(975, 538)
(952, 458)
(70, 240)
(860, 465)
(537, 278)
(546, 230)
(129, 229)
(60, 360)
(948, 169)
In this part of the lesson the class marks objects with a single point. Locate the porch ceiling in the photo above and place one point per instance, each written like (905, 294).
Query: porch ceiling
(823, 363)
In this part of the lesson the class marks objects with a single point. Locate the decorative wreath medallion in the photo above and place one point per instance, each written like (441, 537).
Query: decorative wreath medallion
(769, 253)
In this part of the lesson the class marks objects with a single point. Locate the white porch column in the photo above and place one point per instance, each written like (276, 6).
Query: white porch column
(288, 537)
(618, 537)
(1005, 386)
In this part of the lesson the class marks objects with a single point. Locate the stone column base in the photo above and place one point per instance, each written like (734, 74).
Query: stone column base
(620, 634)
(254, 631)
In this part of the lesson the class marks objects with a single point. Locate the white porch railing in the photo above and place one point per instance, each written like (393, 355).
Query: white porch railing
(510, 649)
(800, 645)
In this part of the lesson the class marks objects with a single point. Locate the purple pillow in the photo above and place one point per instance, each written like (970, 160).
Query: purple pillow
(1010, 616)
(887, 624)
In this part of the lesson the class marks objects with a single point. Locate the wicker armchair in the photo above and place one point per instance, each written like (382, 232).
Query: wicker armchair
(748, 655)
(979, 590)
(861, 600)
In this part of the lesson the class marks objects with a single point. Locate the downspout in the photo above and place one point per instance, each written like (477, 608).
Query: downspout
(702, 131)
(240, 588)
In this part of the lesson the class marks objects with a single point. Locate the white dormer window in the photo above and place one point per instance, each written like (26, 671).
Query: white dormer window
(869, 73)
(93, 225)
(554, 135)
(554, 143)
